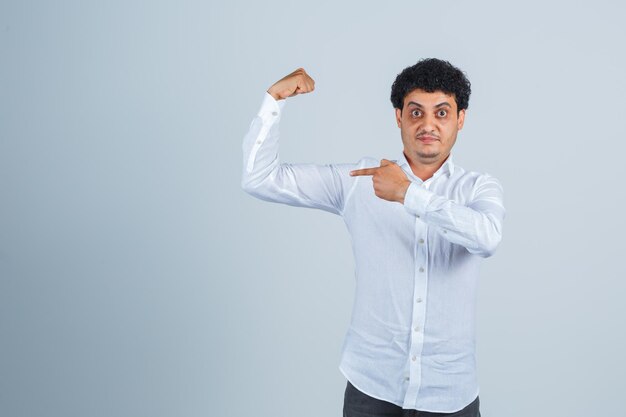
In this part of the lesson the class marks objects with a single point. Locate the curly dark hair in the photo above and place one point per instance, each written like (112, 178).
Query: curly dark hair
(431, 74)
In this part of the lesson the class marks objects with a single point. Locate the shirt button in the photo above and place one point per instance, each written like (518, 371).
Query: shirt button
(414, 358)
(421, 269)
(274, 113)
(259, 141)
(421, 241)
(407, 378)
(418, 216)
(445, 231)
(416, 328)
(419, 300)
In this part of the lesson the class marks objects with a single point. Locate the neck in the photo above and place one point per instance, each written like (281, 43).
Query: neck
(424, 170)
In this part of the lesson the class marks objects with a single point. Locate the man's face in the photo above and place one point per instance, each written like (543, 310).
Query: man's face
(429, 124)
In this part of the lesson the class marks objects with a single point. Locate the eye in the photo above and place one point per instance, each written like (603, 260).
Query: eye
(413, 112)
(445, 113)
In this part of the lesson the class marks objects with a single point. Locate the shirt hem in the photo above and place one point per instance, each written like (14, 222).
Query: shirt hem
(366, 393)
(401, 404)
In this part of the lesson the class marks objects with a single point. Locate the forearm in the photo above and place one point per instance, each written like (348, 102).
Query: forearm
(260, 144)
(477, 227)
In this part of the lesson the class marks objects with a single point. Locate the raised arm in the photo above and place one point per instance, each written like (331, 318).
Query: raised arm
(323, 187)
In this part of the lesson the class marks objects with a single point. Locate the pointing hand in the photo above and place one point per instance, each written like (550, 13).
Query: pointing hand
(390, 181)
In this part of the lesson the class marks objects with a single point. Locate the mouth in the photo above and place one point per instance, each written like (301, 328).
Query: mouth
(427, 139)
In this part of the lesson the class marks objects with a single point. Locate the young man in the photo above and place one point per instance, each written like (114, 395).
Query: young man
(420, 226)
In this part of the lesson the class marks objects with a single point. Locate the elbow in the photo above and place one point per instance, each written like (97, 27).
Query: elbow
(491, 241)
(248, 186)
(490, 246)
(245, 184)
(256, 182)
(261, 183)
(254, 186)
(249, 181)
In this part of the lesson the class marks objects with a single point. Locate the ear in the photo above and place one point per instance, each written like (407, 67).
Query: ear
(399, 117)
(461, 119)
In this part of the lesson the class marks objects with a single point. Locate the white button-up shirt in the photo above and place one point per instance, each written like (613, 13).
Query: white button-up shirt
(411, 336)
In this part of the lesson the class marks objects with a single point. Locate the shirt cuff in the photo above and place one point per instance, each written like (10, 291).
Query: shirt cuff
(270, 108)
(416, 199)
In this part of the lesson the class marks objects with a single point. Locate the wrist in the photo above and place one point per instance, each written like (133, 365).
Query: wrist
(402, 190)
(273, 94)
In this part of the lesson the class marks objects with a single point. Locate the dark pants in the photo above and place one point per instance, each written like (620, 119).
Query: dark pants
(358, 404)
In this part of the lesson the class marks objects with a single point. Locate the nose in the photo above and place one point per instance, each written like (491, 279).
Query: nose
(428, 124)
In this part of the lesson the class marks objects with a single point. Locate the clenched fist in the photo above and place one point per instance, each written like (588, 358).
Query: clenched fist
(298, 82)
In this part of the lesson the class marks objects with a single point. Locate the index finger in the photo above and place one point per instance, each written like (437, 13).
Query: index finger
(364, 171)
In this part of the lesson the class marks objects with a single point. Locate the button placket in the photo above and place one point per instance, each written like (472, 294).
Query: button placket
(420, 284)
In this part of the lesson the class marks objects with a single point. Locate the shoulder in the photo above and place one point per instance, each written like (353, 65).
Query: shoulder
(476, 184)
(476, 178)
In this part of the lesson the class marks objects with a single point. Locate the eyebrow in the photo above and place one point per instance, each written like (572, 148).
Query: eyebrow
(445, 103)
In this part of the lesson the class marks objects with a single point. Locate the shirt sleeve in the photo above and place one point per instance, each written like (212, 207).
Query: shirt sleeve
(324, 187)
(477, 226)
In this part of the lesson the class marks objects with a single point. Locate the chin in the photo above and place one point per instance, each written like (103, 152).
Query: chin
(431, 155)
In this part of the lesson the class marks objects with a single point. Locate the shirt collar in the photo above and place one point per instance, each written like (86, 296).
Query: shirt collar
(447, 166)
